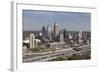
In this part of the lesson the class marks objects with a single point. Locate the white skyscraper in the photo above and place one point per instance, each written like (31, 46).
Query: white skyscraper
(61, 36)
(32, 40)
(80, 36)
(49, 32)
(56, 30)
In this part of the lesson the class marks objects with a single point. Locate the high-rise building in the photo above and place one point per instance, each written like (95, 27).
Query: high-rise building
(61, 36)
(80, 36)
(64, 31)
(44, 33)
(32, 40)
(49, 32)
(56, 30)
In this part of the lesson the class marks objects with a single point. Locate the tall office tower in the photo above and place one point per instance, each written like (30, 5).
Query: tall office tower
(32, 40)
(61, 36)
(49, 32)
(80, 36)
(64, 31)
(56, 30)
(44, 34)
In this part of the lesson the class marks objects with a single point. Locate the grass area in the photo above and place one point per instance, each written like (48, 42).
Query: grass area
(80, 57)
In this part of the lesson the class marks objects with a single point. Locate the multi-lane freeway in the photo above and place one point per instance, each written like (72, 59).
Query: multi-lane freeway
(50, 55)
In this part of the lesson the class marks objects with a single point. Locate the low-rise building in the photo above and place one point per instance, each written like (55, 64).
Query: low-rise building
(58, 45)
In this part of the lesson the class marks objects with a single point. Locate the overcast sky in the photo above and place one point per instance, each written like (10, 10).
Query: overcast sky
(71, 21)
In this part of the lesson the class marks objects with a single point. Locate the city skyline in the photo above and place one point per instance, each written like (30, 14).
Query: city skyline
(71, 21)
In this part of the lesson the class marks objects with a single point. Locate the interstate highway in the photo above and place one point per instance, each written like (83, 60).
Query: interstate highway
(48, 56)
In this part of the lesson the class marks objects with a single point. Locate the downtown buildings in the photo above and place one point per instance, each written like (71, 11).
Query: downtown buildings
(54, 42)
(55, 37)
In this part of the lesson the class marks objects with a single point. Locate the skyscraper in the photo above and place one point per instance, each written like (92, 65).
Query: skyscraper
(61, 36)
(80, 36)
(32, 40)
(44, 34)
(56, 30)
(49, 32)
